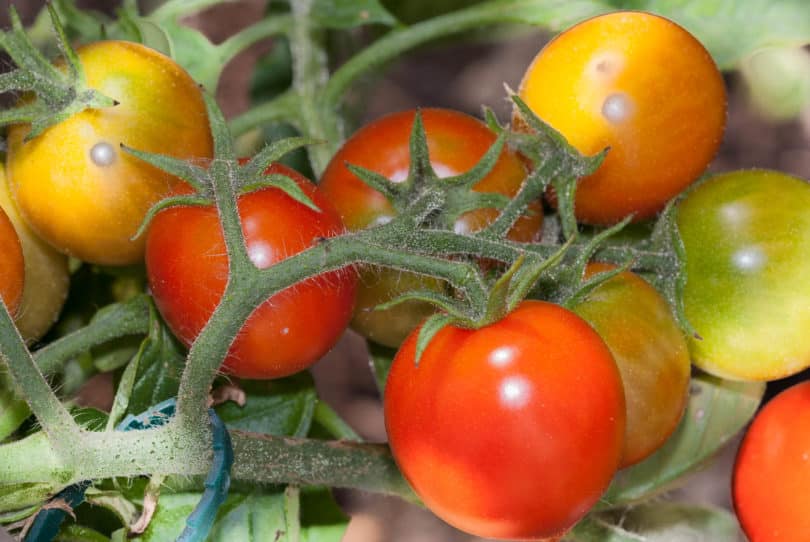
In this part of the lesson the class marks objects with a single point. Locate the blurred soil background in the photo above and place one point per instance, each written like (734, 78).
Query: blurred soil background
(462, 75)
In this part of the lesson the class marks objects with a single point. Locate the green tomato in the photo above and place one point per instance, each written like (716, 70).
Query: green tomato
(747, 295)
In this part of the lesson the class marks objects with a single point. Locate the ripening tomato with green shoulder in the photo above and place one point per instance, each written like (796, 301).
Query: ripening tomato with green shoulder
(644, 87)
(771, 480)
(76, 187)
(12, 266)
(456, 142)
(46, 274)
(511, 431)
(650, 350)
(746, 236)
(187, 269)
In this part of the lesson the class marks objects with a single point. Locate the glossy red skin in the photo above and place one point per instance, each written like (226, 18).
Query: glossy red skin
(12, 268)
(187, 268)
(512, 431)
(771, 484)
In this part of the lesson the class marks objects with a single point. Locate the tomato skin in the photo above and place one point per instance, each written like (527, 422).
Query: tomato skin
(650, 351)
(187, 268)
(641, 85)
(456, 142)
(12, 266)
(747, 241)
(771, 481)
(90, 211)
(511, 431)
(46, 274)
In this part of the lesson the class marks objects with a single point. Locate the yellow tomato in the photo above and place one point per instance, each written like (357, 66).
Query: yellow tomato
(74, 184)
(641, 85)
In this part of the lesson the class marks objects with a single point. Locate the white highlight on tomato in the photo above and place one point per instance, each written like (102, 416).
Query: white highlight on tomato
(515, 391)
(617, 107)
(749, 259)
(501, 356)
(102, 154)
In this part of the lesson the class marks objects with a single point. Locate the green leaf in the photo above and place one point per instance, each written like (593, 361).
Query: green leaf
(72, 532)
(343, 14)
(380, 358)
(159, 365)
(13, 410)
(277, 407)
(257, 517)
(659, 522)
(195, 52)
(717, 410)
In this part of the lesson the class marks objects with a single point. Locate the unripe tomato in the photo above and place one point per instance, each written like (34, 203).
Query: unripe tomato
(12, 267)
(747, 294)
(74, 185)
(456, 142)
(511, 431)
(641, 85)
(771, 484)
(46, 274)
(651, 352)
(187, 268)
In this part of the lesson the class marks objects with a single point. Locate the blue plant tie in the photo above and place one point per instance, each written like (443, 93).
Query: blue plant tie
(199, 523)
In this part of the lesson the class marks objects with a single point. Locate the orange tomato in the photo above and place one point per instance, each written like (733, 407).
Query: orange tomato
(12, 268)
(642, 86)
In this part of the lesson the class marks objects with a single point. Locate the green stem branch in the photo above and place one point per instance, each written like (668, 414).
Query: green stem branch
(55, 420)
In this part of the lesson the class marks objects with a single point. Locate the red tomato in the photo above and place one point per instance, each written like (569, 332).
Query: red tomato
(187, 268)
(456, 142)
(771, 485)
(511, 431)
(12, 268)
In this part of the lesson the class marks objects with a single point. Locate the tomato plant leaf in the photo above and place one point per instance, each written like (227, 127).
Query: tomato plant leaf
(256, 517)
(343, 14)
(277, 407)
(659, 522)
(717, 410)
(380, 358)
(159, 364)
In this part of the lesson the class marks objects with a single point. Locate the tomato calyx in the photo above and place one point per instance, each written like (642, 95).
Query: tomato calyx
(431, 201)
(59, 95)
(243, 175)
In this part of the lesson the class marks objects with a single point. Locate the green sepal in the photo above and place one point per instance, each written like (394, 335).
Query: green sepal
(378, 182)
(439, 300)
(527, 276)
(672, 282)
(174, 201)
(595, 282)
(481, 169)
(183, 169)
(420, 170)
(430, 327)
(273, 153)
(282, 182)
(59, 95)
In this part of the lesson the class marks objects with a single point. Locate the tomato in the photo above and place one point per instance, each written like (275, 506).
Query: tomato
(46, 274)
(456, 142)
(641, 85)
(510, 431)
(651, 352)
(187, 268)
(74, 185)
(747, 241)
(771, 483)
(12, 267)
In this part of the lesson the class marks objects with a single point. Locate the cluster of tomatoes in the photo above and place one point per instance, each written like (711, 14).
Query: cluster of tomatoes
(513, 430)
